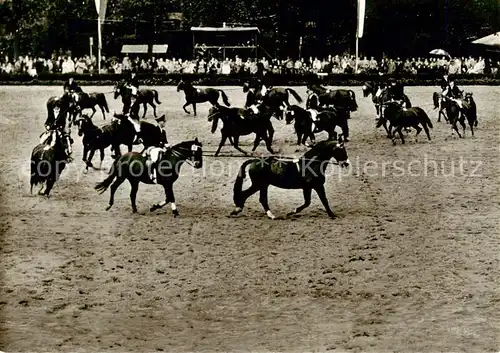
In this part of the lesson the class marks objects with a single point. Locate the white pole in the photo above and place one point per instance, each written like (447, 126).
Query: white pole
(357, 53)
(99, 44)
(91, 43)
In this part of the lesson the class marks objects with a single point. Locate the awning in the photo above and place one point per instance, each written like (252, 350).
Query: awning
(493, 40)
(159, 48)
(225, 29)
(135, 48)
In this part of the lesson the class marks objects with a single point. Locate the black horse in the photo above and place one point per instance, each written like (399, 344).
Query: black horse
(456, 114)
(306, 173)
(144, 96)
(380, 96)
(198, 95)
(241, 122)
(308, 122)
(89, 101)
(48, 161)
(470, 110)
(99, 138)
(339, 98)
(149, 134)
(400, 118)
(132, 166)
(277, 98)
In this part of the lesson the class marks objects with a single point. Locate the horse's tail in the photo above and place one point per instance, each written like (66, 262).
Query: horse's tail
(407, 101)
(238, 183)
(101, 98)
(104, 185)
(354, 104)
(424, 117)
(294, 94)
(224, 98)
(435, 99)
(155, 96)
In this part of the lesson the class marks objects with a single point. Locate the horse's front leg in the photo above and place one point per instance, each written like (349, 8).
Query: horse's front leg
(194, 109)
(320, 190)
(270, 131)
(184, 107)
(145, 106)
(222, 142)
(93, 112)
(91, 155)
(101, 150)
(389, 133)
(169, 198)
(85, 151)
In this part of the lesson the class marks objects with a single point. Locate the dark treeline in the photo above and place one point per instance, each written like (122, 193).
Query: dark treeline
(392, 27)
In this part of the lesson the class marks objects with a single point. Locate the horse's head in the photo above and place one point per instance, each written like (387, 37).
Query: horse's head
(390, 109)
(83, 122)
(62, 141)
(368, 88)
(291, 114)
(327, 149)
(213, 116)
(180, 86)
(340, 154)
(193, 152)
(468, 97)
(246, 87)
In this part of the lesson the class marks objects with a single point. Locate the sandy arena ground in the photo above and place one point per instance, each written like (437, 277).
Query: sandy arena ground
(411, 264)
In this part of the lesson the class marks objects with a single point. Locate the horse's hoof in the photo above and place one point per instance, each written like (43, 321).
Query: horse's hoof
(346, 139)
(290, 213)
(333, 216)
(108, 208)
(154, 208)
(175, 213)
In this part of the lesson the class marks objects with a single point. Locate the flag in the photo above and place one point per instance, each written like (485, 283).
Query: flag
(100, 6)
(361, 18)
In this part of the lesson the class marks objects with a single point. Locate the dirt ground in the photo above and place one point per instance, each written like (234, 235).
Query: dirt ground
(411, 264)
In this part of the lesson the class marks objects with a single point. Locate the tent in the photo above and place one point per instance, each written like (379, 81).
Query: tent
(492, 40)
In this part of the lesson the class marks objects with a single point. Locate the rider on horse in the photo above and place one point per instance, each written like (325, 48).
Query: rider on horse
(133, 84)
(51, 128)
(451, 90)
(71, 86)
(153, 152)
(396, 90)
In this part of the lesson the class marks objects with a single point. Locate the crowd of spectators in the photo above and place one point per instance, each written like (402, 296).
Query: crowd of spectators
(336, 64)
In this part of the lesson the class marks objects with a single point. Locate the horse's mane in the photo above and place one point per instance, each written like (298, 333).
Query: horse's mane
(318, 149)
(186, 144)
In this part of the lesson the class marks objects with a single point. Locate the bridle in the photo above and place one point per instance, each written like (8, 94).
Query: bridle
(188, 160)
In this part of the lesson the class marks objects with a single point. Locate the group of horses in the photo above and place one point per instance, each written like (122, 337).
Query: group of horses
(401, 115)
(324, 110)
(49, 159)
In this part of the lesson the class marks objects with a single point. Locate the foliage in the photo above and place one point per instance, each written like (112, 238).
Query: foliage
(402, 27)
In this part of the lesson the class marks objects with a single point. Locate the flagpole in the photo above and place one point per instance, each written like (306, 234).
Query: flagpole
(357, 53)
(99, 44)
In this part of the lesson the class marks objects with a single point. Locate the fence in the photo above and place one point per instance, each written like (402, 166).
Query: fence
(156, 79)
